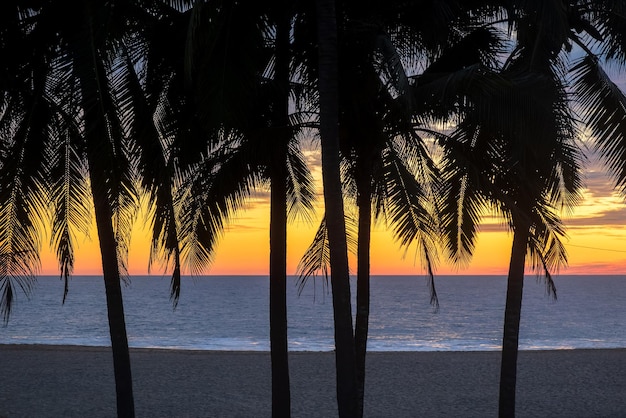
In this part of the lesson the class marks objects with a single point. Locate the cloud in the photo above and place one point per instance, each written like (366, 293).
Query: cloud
(493, 227)
(613, 217)
(598, 184)
(586, 268)
(243, 227)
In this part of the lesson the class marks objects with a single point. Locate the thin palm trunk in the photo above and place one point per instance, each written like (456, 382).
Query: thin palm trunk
(281, 399)
(345, 361)
(95, 138)
(363, 287)
(278, 303)
(115, 309)
(110, 269)
(512, 313)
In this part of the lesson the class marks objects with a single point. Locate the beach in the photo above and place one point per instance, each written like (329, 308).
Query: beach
(73, 381)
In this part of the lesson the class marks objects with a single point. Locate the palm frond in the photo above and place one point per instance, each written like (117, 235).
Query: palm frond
(605, 21)
(22, 205)
(69, 194)
(546, 250)
(117, 103)
(300, 186)
(211, 194)
(223, 92)
(406, 202)
(603, 105)
(460, 195)
(316, 259)
(430, 278)
(391, 69)
(156, 176)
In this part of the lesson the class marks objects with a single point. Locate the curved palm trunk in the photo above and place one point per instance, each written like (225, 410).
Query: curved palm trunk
(281, 398)
(96, 138)
(512, 312)
(363, 287)
(115, 307)
(345, 361)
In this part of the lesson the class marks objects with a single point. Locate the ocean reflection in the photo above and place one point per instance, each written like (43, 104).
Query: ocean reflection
(231, 313)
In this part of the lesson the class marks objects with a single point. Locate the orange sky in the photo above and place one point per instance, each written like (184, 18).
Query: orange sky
(596, 242)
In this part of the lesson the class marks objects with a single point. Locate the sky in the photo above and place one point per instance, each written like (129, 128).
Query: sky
(596, 240)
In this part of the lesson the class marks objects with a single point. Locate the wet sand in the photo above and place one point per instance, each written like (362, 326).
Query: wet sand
(68, 381)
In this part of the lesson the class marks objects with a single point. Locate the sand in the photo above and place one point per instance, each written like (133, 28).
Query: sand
(60, 381)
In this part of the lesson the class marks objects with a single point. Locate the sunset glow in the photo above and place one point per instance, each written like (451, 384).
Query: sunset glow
(596, 241)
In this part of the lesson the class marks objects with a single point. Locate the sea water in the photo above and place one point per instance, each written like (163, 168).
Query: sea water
(231, 313)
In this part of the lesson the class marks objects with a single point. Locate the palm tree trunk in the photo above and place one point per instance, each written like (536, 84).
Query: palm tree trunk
(345, 361)
(281, 398)
(278, 304)
(512, 312)
(363, 287)
(112, 285)
(115, 307)
(95, 137)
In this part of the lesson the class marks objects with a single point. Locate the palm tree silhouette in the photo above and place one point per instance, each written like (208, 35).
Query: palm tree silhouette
(86, 57)
(524, 171)
(601, 100)
(251, 139)
(593, 31)
(80, 112)
(345, 356)
(23, 128)
(529, 173)
(387, 169)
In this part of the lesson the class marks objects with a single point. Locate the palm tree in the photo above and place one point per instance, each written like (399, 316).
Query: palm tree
(528, 189)
(542, 54)
(22, 123)
(388, 171)
(85, 52)
(387, 174)
(601, 102)
(155, 159)
(537, 178)
(397, 195)
(391, 167)
(82, 110)
(333, 202)
(281, 398)
(524, 171)
(251, 140)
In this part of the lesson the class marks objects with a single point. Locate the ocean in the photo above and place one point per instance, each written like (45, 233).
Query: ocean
(231, 313)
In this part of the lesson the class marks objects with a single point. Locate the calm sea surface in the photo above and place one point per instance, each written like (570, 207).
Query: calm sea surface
(231, 313)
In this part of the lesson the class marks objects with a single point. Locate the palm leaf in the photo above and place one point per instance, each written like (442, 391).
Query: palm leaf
(69, 194)
(300, 186)
(210, 195)
(22, 205)
(603, 105)
(316, 259)
(156, 175)
(459, 196)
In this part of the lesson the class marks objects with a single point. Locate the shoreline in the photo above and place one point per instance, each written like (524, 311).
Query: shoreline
(78, 347)
(77, 381)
